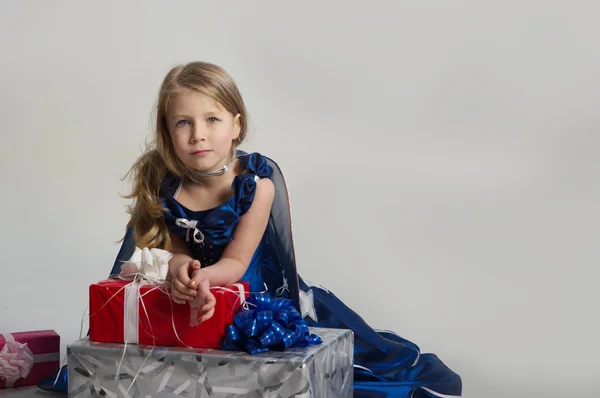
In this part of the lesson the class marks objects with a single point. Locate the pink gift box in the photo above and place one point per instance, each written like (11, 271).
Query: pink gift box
(27, 358)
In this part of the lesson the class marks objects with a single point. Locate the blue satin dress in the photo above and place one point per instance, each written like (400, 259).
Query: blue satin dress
(385, 364)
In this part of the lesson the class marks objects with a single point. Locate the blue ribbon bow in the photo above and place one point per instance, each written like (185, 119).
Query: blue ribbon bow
(274, 324)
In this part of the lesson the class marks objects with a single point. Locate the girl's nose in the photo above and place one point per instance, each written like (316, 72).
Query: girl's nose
(198, 134)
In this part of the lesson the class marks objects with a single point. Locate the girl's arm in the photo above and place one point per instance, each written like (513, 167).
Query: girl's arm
(247, 236)
(180, 266)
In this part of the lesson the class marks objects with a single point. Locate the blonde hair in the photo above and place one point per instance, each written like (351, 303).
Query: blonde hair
(149, 170)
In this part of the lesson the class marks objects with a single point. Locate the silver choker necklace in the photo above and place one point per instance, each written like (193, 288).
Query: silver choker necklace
(195, 174)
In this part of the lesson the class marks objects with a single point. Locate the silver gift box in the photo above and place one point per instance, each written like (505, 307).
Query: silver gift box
(117, 370)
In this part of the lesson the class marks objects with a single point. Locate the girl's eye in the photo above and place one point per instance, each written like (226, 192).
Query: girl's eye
(212, 119)
(182, 123)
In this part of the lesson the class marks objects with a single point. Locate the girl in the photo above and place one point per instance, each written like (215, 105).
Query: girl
(218, 204)
(225, 216)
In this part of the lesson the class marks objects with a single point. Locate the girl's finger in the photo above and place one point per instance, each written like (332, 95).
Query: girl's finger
(183, 274)
(178, 285)
(207, 316)
(181, 296)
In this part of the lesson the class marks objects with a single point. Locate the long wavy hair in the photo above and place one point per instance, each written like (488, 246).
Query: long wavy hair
(149, 170)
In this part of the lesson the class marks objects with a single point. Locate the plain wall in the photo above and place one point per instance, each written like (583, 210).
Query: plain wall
(442, 160)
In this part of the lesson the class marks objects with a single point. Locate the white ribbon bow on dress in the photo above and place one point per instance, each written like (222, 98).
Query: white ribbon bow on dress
(191, 225)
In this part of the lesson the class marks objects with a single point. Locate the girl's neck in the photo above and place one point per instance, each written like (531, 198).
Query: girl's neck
(214, 173)
(209, 182)
(217, 176)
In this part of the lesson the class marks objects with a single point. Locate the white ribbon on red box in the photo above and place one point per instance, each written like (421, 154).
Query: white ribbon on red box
(149, 267)
(132, 300)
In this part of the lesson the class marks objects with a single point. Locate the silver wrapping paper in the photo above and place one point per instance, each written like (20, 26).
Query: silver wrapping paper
(107, 370)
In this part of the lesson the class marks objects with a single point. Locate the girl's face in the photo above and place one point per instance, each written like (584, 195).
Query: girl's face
(202, 131)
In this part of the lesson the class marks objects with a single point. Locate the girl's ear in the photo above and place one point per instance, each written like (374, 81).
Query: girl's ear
(236, 126)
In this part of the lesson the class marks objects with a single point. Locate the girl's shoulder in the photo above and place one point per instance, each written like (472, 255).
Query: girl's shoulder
(254, 164)
(255, 167)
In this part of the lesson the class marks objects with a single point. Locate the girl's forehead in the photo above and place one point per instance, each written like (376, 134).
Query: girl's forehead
(191, 100)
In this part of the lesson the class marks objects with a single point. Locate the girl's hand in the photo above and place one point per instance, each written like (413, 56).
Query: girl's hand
(183, 287)
(202, 307)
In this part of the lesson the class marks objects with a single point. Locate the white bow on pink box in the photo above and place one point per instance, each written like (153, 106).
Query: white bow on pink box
(16, 361)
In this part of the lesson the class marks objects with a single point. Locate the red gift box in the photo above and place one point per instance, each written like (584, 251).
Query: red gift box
(145, 314)
(26, 358)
